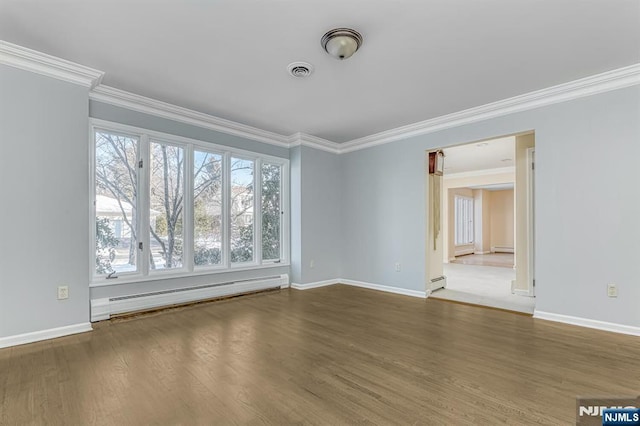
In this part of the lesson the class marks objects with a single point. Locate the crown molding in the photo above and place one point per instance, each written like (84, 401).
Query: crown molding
(50, 66)
(314, 142)
(476, 173)
(117, 97)
(599, 83)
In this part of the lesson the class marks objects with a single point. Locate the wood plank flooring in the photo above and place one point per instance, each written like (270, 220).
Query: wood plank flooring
(333, 355)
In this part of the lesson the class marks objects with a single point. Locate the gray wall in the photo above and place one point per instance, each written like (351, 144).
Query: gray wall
(586, 205)
(321, 215)
(295, 162)
(44, 178)
(354, 215)
(315, 215)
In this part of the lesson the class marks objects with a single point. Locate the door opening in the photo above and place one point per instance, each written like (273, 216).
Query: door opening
(485, 252)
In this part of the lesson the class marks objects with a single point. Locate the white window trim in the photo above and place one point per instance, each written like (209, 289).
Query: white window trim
(143, 272)
(470, 199)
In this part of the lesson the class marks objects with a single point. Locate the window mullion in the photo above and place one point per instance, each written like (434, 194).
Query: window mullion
(226, 210)
(284, 214)
(187, 202)
(144, 204)
(257, 209)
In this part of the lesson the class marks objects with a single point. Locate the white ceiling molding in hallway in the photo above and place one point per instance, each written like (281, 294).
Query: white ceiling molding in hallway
(476, 173)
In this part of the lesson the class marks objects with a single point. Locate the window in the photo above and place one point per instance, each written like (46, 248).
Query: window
(166, 209)
(170, 205)
(271, 211)
(463, 220)
(207, 208)
(116, 203)
(241, 205)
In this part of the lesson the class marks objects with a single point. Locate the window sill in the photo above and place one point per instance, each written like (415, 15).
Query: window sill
(181, 274)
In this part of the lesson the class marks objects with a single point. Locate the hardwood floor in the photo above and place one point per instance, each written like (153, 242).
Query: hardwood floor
(333, 355)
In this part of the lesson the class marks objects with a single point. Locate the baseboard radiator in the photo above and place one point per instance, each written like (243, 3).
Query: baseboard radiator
(103, 309)
(500, 249)
(438, 283)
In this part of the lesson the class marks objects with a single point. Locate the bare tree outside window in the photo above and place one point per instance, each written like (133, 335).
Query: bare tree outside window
(116, 201)
(166, 193)
(119, 168)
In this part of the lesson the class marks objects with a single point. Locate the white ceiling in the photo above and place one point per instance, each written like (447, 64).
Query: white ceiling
(492, 154)
(419, 60)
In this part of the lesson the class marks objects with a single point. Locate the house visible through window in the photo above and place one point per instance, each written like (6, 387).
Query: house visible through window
(463, 220)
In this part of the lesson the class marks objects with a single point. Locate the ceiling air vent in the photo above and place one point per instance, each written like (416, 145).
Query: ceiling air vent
(300, 69)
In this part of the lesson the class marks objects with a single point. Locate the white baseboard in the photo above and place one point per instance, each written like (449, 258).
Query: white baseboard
(520, 292)
(102, 309)
(502, 250)
(52, 333)
(386, 288)
(590, 323)
(463, 251)
(379, 287)
(482, 252)
(314, 284)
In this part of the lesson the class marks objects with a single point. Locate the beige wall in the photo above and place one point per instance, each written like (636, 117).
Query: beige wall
(451, 182)
(522, 209)
(502, 218)
(482, 214)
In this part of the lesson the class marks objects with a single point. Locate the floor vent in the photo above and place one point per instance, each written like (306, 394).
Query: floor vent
(103, 309)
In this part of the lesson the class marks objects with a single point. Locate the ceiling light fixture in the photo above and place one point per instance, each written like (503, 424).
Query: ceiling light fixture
(341, 43)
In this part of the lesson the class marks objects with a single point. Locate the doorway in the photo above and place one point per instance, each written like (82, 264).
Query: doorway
(487, 222)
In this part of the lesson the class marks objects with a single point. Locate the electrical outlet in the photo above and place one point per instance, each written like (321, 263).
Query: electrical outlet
(312, 264)
(612, 290)
(398, 267)
(63, 292)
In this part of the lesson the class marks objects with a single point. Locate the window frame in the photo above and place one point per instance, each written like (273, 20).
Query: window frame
(145, 138)
(256, 203)
(282, 227)
(130, 275)
(147, 208)
(224, 216)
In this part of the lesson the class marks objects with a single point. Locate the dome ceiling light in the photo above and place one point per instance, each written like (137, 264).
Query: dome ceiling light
(341, 43)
